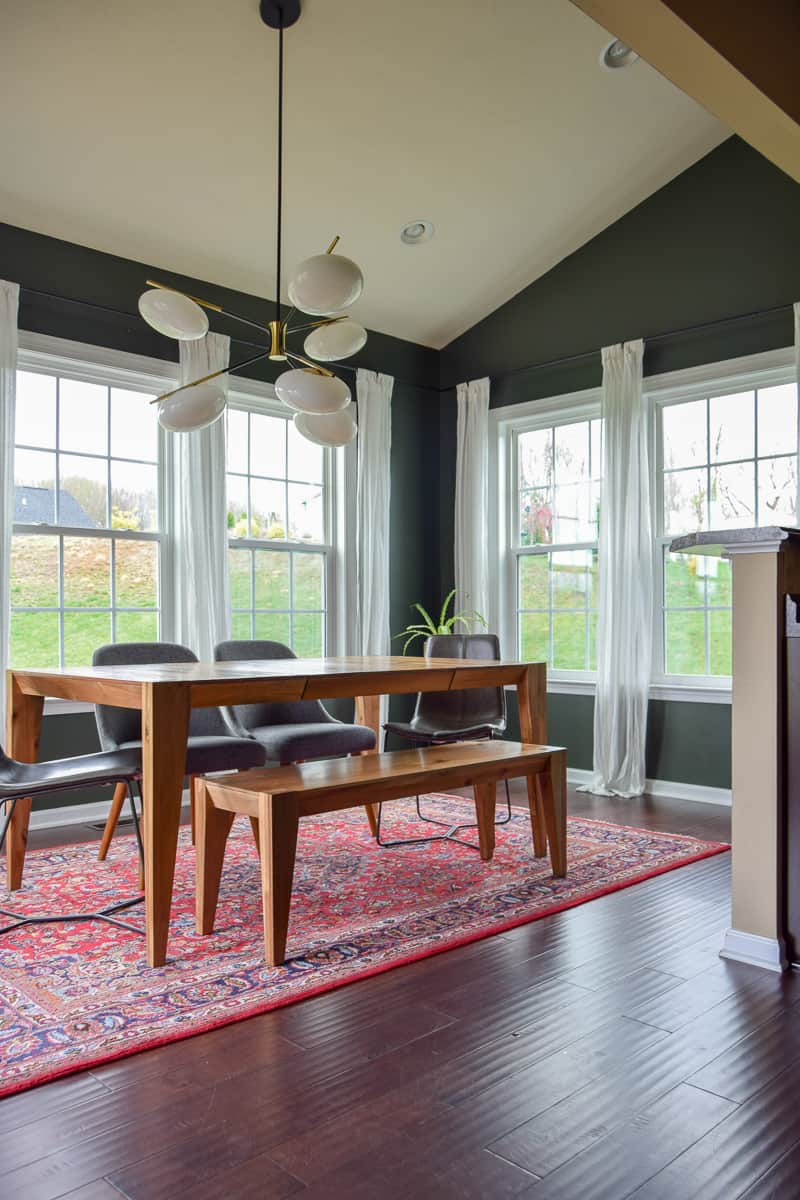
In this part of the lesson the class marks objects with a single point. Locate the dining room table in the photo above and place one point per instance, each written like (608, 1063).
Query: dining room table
(166, 693)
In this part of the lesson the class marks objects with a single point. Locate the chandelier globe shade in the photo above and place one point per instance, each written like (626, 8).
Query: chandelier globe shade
(325, 284)
(310, 392)
(192, 408)
(341, 339)
(327, 429)
(173, 314)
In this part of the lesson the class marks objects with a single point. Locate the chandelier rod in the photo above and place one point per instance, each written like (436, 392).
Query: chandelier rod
(280, 173)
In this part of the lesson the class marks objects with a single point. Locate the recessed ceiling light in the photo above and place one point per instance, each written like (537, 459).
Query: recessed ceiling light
(617, 54)
(416, 231)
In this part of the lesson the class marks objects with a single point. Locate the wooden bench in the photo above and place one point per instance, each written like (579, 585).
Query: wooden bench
(275, 798)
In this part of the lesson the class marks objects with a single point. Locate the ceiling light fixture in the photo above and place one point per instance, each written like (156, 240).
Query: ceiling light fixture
(617, 54)
(415, 232)
(321, 286)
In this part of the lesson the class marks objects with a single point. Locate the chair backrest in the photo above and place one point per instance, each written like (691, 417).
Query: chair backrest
(473, 706)
(118, 725)
(286, 712)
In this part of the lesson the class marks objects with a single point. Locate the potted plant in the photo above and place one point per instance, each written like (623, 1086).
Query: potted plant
(427, 627)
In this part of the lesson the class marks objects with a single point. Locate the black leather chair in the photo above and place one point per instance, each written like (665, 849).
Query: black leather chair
(20, 780)
(211, 746)
(443, 717)
(289, 731)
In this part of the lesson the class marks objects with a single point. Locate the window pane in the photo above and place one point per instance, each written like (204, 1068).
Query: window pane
(236, 440)
(267, 445)
(83, 417)
(87, 572)
(134, 425)
(305, 458)
(686, 643)
(597, 449)
(35, 410)
(720, 641)
(274, 627)
(34, 572)
(569, 641)
(534, 637)
(137, 627)
(34, 487)
(306, 515)
(570, 579)
(239, 568)
(134, 496)
(572, 517)
(83, 495)
(83, 633)
(777, 419)
(685, 434)
(237, 506)
(267, 509)
(34, 640)
(684, 584)
(685, 501)
(777, 491)
(137, 574)
(717, 572)
(272, 579)
(732, 426)
(571, 452)
(733, 496)
(535, 518)
(594, 577)
(241, 629)
(592, 641)
(535, 457)
(534, 581)
(307, 580)
(307, 635)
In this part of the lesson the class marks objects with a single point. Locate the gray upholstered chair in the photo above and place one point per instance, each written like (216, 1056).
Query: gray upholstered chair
(211, 745)
(20, 780)
(442, 717)
(290, 731)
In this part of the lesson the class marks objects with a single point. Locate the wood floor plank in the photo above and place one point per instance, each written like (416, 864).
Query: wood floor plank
(755, 1061)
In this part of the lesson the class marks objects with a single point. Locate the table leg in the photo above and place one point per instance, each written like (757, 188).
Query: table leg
(23, 726)
(532, 703)
(368, 712)
(166, 708)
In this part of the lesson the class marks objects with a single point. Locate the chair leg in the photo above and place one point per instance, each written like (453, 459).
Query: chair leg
(117, 801)
(553, 793)
(213, 827)
(9, 812)
(277, 822)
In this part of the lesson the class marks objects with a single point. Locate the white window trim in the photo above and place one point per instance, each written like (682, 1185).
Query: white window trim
(730, 375)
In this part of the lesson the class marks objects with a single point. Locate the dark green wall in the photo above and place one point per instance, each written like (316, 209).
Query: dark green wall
(719, 241)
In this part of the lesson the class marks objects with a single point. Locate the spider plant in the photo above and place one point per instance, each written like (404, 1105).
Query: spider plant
(425, 628)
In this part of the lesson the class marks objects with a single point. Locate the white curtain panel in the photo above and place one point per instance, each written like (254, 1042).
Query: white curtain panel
(9, 303)
(373, 496)
(625, 622)
(472, 498)
(201, 588)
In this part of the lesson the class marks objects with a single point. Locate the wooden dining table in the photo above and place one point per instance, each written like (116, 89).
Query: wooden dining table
(166, 693)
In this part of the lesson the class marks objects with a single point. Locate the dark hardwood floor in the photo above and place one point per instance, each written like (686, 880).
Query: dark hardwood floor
(601, 1053)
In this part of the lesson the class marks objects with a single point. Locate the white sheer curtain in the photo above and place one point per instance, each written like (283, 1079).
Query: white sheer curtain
(9, 303)
(472, 497)
(625, 621)
(373, 495)
(200, 585)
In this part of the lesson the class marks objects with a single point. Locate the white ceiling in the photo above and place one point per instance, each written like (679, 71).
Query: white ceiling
(147, 129)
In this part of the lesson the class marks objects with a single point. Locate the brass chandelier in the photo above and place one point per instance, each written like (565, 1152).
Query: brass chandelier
(322, 286)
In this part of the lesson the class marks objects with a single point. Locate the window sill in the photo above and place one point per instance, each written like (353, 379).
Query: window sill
(682, 693)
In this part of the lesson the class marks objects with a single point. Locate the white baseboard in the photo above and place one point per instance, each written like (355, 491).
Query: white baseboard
(665, 787)
(753, 949)
(79, 814)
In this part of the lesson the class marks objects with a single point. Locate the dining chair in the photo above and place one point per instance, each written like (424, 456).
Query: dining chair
(23, 781)
(211, 746)
(443, 717)
(294, 730)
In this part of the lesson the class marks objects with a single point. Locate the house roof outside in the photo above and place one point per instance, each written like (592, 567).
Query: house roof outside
(36, 506)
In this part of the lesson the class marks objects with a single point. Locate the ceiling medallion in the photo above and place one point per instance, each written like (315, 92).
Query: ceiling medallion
(322, 286)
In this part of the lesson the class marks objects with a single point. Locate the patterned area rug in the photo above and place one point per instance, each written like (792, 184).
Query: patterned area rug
(75, 996)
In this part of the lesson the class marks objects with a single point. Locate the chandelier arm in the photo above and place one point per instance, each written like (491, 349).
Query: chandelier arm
(223, 312)
(214, 375)
(317, 324)
(308, 363)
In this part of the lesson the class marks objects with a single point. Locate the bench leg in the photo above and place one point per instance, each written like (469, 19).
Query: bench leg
(485, 804)
(212, 828)
(554, 803)
(277, 821)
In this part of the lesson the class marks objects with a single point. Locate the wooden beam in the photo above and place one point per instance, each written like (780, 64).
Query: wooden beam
(739, 61)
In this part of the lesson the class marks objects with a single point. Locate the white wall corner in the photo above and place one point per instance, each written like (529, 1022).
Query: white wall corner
(754, 949)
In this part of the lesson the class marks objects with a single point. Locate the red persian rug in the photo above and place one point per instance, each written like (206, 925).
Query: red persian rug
(74, 996)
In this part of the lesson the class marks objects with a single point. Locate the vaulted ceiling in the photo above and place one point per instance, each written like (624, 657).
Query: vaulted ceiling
(148, 130)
